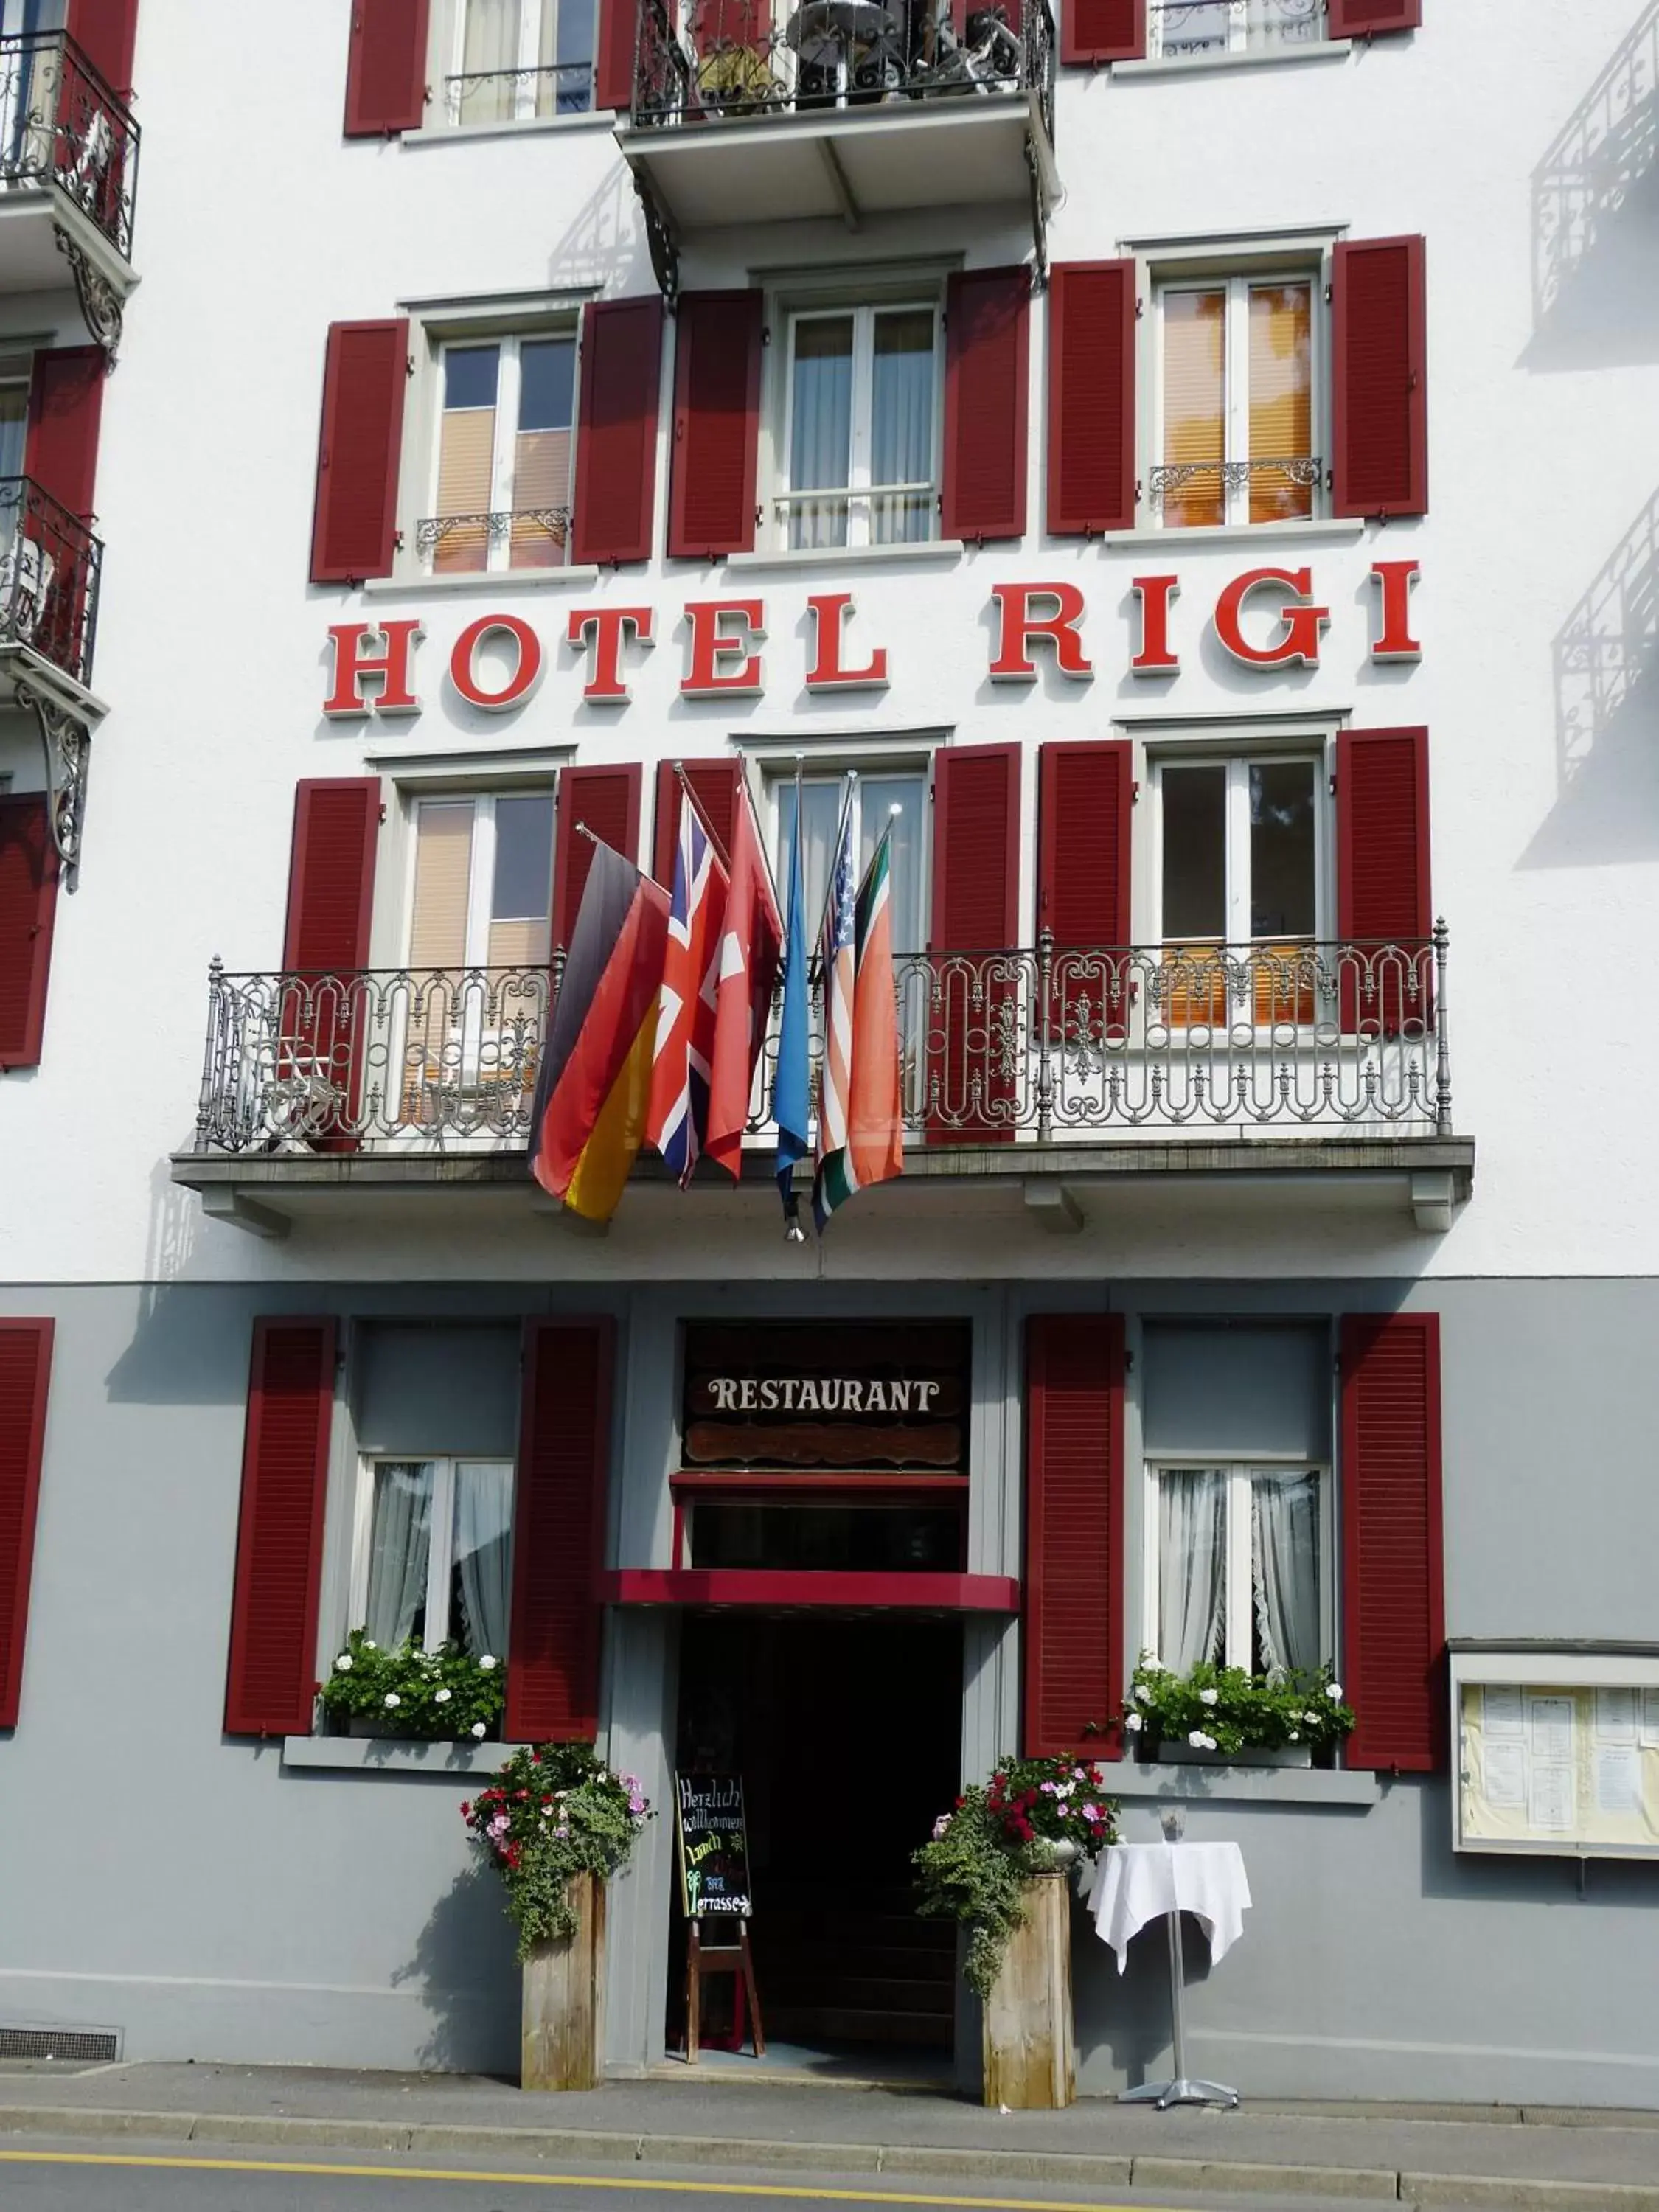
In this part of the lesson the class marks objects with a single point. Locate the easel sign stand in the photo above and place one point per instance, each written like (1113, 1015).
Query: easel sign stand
(714, 1861)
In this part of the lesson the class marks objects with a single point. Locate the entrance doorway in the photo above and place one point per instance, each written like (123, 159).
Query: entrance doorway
(847, 1734)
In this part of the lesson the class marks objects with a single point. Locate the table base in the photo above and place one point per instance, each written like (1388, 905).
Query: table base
(1181, 2092)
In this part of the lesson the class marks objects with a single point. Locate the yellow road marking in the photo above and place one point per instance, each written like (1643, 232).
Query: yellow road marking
(642, 2182)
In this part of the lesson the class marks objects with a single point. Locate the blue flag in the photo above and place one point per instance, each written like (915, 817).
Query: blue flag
(792, 1090)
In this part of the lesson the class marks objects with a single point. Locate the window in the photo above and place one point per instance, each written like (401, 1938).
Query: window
(858, 458)
(516, 61)
(1239, 848)
(432, 1556)
(1187, 30)
(483, 882)
(1236, 383)
(1240, 1543)
(501, 471)
(898, 796)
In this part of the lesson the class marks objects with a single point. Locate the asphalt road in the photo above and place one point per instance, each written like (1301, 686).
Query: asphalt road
(38, 2177)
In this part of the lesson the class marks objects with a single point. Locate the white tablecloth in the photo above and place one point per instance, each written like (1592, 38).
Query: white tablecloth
(1134, 1883)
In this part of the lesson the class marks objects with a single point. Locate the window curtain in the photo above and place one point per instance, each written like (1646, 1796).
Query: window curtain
(1191, 1561)
(400, 1546)
(1285, 1569)
(1194, 405)
(1281, 398)
(821, 429)
(483, 1552)
(902, 426)
(489, 52)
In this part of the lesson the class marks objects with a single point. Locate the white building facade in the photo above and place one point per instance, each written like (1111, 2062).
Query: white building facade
(1187, 456)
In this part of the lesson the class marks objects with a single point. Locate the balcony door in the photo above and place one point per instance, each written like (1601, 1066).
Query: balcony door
(28, 81)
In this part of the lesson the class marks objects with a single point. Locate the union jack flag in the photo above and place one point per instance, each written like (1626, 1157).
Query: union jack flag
(676, 1118)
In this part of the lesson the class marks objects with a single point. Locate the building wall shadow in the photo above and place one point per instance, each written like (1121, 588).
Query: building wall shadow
(1596, 219)
(1606, 675)
(465, 1968)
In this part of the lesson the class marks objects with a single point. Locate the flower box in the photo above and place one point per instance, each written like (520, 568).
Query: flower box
(1252, 1754)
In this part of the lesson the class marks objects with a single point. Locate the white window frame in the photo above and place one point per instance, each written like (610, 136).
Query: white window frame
(859, 491)
(1237, 1617)
(1238, 760)
(1239, 13)
(1214, 275)
(441, 1547)
(452, 69)
(481, 879)
(498, 551)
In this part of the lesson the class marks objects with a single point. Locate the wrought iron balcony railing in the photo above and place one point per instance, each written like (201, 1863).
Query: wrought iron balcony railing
(1189, 30)
(1038, 1043)
(519, 95)
(49, 568)
(1193, 494)
(511, 538)
(61, 124)
(696, 59)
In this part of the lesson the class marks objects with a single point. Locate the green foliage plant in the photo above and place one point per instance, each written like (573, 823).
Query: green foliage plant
(554, 1810)
(1228, 1709)
(1000, 1835)
(438, 1694)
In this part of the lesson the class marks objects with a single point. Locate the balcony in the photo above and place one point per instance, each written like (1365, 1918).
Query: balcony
(1061, 1069)
(69, 179)
(749, 111)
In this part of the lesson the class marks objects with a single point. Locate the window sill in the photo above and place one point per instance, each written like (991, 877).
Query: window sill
(349, 1755)
(1332, 530)
(441, 134)
(496, 579)
(940, 551)
(1268, 1785)
(1324, 50)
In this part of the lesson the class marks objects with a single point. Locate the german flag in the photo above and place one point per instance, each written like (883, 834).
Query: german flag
(595, 1080)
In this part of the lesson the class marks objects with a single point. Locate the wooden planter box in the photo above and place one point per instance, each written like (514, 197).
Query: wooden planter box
(562, 2039)
(1031, 2045)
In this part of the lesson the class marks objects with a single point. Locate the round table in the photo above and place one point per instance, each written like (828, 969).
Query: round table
(1135, 1883)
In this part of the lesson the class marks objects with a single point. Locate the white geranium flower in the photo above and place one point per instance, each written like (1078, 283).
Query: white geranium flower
(479, 1731)
(392, 1700)
(1198, 1739)
(1208, 1697)
(1334, 1693)
(1133, 1723)
(486, 1661)
(1296, 1735)
(343, 1664)
(1143, 1695)
(1312, 1719)
(369, 1644)
(442, 1697)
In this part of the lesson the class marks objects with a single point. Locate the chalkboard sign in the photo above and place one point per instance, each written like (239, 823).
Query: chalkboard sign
(714, 1847)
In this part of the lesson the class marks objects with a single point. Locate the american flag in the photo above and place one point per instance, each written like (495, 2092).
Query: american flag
(678, 1116)
(837, 959)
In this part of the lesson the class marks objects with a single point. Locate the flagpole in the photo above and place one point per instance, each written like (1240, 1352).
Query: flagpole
(696, 806)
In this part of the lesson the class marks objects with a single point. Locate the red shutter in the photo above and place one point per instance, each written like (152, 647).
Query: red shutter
(385, 68)
(1103, 30)
(976, 858)
(558, 1531)
(1383, 893)
(1393, 1596)
(354, 532)
(25, 1372)
(717, 374)
(66, 401)
(1371, 19)
(608, 800)
(1073, 1622)
(987, 324)
(331, 895)
(1086, 789)
(28, 906)
(716, 783)
(1379, 345)
(1091, 397)
(106, 31)
(272, 1675)
(618, 33)
(616, 430)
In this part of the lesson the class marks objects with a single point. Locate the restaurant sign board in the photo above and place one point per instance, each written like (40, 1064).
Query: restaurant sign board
(837, 1396)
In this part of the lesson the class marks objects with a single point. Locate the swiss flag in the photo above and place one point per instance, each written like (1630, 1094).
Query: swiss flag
(751, 948)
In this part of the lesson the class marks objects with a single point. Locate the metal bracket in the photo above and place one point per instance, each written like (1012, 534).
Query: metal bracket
(67, 743)
(100, 303)
(1039, 228)
(659, 238)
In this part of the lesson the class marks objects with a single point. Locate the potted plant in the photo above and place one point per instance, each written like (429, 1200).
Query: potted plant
(997, 1864)
(555, 1823)
(1217, 1715)
(435, 1695)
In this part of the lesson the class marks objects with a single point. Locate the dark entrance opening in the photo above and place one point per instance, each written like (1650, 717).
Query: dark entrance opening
(847, 1733)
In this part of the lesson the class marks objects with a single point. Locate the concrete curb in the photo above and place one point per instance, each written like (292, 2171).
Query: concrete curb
(596, 2147)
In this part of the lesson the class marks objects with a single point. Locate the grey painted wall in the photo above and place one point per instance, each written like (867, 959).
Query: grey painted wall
(224, 1905)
